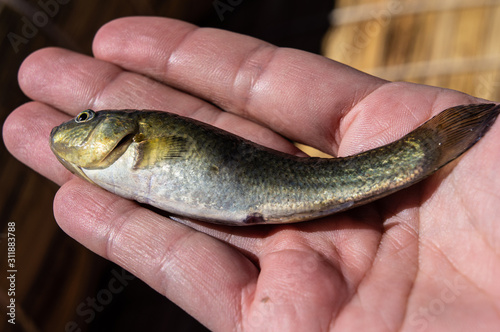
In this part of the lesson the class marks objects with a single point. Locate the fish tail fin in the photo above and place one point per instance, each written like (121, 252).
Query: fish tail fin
(458, 128)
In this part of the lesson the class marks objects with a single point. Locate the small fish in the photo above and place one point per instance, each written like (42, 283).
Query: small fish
(192, 169)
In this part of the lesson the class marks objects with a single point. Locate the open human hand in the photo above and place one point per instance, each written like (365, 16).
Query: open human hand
(426, 258)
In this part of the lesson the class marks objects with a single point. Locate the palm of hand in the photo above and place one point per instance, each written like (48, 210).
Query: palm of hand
(412, 261)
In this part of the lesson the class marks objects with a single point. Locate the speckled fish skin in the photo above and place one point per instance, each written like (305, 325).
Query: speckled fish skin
(194, 170)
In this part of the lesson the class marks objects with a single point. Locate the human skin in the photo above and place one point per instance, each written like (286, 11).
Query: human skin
(424, 259)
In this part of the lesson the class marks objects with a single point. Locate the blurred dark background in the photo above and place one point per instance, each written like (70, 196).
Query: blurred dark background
(56, 275)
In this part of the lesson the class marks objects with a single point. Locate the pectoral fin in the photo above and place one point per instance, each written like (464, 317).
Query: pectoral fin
(153, 151)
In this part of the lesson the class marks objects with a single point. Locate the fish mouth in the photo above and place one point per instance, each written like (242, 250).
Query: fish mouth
(116, 152)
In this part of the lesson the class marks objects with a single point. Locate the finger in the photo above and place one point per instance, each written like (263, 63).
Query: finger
(26, 135)
(206, 277)
(72, 82)
(295, 93)
(392, 111)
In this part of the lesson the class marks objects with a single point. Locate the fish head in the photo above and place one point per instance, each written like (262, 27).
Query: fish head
(93, 140)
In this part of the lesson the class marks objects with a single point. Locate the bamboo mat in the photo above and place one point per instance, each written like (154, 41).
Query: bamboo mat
(451, 44)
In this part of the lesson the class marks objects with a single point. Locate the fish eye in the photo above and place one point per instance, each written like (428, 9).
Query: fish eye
(85, 116)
